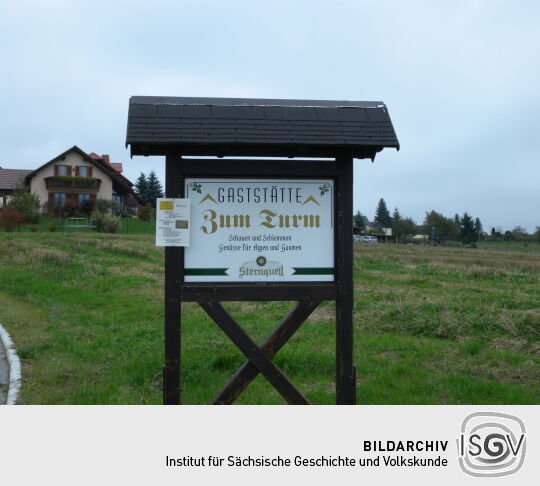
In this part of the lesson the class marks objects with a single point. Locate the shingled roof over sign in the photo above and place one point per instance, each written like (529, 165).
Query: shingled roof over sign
(237, 126)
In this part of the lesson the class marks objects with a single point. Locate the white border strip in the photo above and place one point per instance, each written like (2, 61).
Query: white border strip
(14, 365)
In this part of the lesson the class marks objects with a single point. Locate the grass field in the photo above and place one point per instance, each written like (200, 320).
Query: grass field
(127, 226)
(432, 325)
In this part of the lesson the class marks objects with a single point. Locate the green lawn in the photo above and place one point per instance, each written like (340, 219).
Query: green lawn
(432, 325)
(46, 223)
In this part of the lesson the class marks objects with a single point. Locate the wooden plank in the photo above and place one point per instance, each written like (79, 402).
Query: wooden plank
(220, 149)
(259, 168)
(173, 277)
(211, 292)
(345, 379)
(273, 343)
(265, 365)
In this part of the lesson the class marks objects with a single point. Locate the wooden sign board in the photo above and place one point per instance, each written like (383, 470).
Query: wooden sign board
(260, 230)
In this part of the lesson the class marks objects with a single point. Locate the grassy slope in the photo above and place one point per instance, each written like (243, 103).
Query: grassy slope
(433, 325)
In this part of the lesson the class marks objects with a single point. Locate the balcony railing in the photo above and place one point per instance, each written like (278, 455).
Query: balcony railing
(66, 182)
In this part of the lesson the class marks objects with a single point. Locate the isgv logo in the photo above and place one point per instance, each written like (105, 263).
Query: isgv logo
(491, 444)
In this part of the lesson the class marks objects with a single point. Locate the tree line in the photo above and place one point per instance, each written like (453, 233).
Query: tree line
(436, 226)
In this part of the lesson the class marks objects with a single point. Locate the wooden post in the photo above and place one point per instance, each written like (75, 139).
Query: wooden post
(174, 264)
(345, 374)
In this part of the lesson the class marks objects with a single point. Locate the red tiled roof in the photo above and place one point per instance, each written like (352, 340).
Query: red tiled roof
(116, 166)
(9, 178)
(105, 158)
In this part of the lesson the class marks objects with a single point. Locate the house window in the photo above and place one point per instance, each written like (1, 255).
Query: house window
(59, 198)
(83, 171)
(84, 197)
(62, 170)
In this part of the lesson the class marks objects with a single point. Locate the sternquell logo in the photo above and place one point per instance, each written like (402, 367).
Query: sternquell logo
(261, 267)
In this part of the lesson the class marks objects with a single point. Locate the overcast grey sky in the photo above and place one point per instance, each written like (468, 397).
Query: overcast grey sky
(461, 80)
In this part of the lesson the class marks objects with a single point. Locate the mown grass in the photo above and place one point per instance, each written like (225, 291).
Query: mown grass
(432, 325)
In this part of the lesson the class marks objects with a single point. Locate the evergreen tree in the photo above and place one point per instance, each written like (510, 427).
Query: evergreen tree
(478, 228)
(468, 232)
(382, 215)
(141, 188)
(358, 222)
(154, 189)
(457, 220)
(478, 225)
(493, 232)
(396, 216)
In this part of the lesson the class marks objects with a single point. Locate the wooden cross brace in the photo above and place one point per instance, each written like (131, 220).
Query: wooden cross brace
(260, 358)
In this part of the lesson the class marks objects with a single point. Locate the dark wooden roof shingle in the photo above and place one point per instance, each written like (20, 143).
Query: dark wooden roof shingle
(222, 126)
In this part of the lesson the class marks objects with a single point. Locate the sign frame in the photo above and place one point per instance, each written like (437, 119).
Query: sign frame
(308, 294)
(294, 267)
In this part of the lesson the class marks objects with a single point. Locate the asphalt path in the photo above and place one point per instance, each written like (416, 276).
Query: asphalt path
(4, 375)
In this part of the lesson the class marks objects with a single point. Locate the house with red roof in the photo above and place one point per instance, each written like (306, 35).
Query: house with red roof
(77, 176)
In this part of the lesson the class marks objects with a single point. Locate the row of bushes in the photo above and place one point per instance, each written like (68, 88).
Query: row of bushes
(24, 207)
(85, 208)
(106, 221)
(11, 219)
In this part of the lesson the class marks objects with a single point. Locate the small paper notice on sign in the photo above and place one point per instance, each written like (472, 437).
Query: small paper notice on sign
(172, 222)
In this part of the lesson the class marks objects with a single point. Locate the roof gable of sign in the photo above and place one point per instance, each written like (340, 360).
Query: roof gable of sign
(234, 126)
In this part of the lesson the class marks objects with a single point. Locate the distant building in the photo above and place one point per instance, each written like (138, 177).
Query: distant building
(77, 176)
(377, 229)
(9, 179)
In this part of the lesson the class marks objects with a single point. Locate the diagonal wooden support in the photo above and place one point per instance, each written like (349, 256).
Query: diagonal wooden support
(255, 354)
(273, 343)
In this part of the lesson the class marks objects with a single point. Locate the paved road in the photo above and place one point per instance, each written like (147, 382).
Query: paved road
(3, 375)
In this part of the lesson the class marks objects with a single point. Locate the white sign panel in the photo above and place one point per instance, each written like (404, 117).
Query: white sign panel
(172, 222)
(260, 230)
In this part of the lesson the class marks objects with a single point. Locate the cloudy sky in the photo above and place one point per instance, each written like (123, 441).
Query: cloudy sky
(461, 80)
